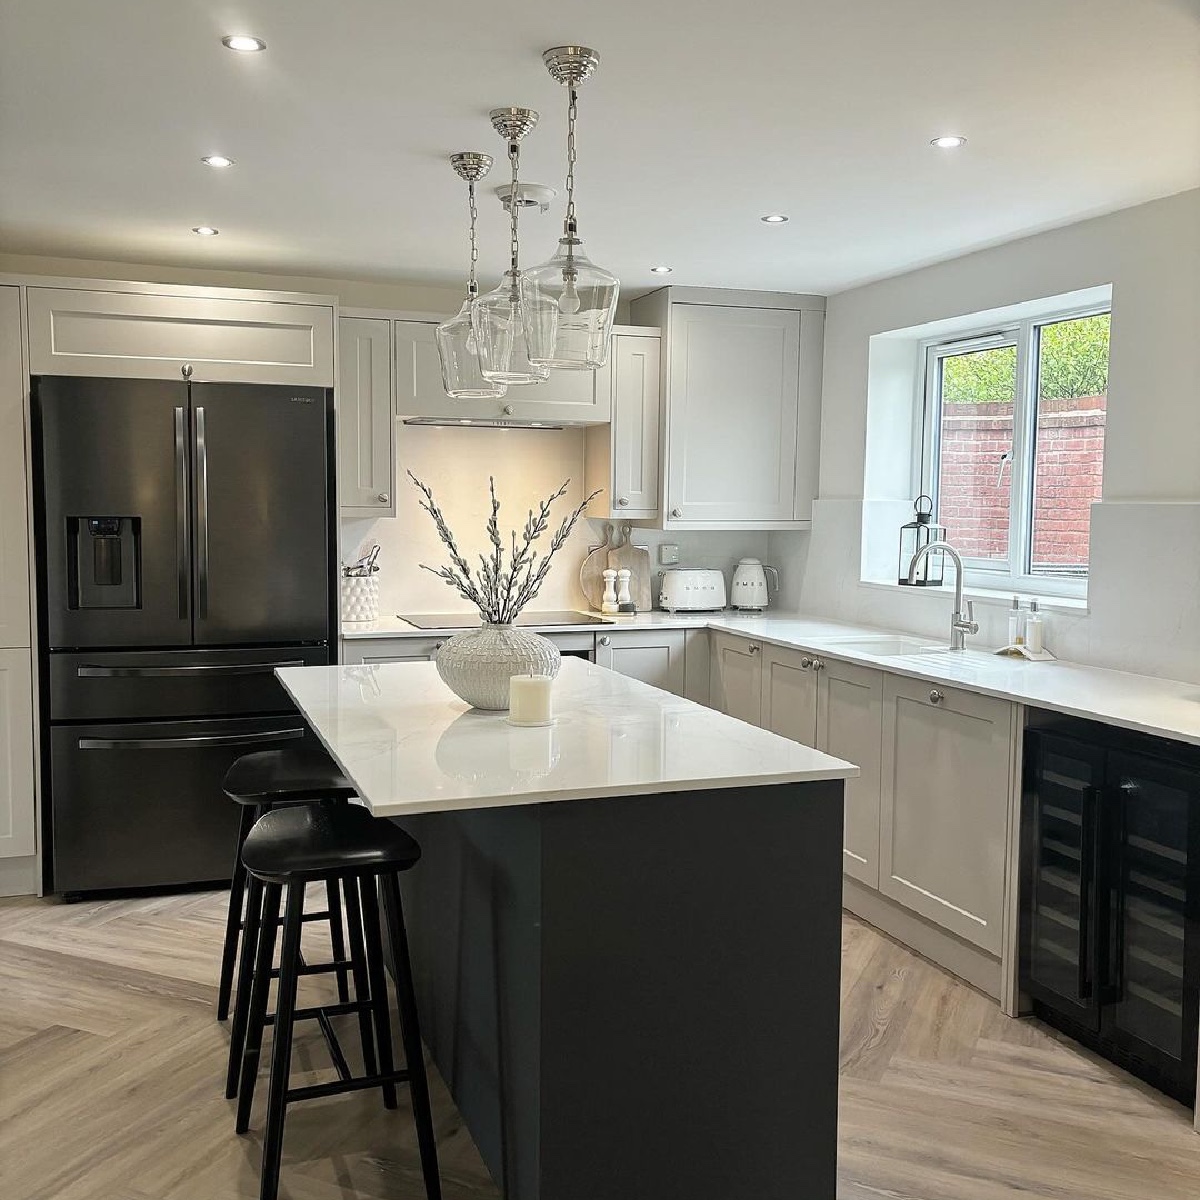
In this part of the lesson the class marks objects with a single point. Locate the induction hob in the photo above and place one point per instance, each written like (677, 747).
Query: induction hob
(539, 620)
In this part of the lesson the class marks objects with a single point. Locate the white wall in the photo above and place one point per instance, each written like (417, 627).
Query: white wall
(1144, 594)
(528, 464)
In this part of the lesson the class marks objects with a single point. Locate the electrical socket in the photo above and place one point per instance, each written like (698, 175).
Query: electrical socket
(668, 555)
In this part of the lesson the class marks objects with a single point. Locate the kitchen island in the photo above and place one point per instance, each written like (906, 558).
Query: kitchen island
(624, 928)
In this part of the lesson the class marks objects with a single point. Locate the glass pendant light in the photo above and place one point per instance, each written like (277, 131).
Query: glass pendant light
(462, 376)
(569, 303)
(496, 318)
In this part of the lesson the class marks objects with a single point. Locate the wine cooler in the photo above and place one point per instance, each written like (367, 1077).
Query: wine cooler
(1110, 911)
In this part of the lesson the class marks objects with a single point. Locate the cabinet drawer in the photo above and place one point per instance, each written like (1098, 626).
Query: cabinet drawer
(136, 336)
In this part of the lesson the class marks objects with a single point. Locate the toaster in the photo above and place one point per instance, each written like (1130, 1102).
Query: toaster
(692, 589)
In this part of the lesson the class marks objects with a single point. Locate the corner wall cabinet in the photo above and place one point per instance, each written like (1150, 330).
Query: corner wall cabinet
(366, 445)
(742, 406)
(155, 335)
(567, 396)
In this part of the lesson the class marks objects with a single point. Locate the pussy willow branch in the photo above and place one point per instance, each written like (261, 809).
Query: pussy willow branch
(501, 593)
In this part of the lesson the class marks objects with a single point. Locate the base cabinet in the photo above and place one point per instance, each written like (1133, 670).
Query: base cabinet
(736, 682)
(387, 650)
(945, 804)
(17, 805)
(655, 657)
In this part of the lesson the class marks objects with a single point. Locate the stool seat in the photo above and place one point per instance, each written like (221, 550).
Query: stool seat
(286, 776)
(292, 845)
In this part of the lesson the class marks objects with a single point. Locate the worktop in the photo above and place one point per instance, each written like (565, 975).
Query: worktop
(1161, 707)
(411, 746)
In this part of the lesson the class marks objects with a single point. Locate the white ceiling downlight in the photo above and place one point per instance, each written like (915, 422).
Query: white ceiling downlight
(243, 43)
(205, 230)
(661, 270)
(216, 160)
(774, 219)
(948, 141)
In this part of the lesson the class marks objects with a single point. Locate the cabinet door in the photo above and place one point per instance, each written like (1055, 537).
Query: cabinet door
(17, 810)
(386, 650)
(732, 415)
(789, 694)
(947, 784)
(634, 369)
(14, 515)
(850, 726)
(366, 447)
(653, 656)
(737, 677)
(573, 396)
(127, 335)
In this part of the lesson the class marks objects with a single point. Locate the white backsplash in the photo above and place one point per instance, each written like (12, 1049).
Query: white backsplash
(527, 464)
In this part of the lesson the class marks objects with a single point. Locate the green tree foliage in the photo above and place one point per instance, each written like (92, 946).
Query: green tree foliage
(1073, 362)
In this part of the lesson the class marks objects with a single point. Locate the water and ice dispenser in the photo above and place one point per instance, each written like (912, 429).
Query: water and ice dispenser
(104, 562)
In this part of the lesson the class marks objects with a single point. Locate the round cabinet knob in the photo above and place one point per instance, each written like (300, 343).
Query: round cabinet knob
(606, 640)
(805, 663)
(623, 501)
(383, 497)
(436, 647)
(677, 512)
(186, 370)
(818, 664)
(936, 697)
(508, 410)
(754, 647)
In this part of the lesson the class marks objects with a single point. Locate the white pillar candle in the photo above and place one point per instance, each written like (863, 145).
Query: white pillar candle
(529, 699)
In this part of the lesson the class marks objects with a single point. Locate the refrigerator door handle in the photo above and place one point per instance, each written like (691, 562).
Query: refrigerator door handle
(182, 547)
(88, 671)
(201, 515)
(190, 743)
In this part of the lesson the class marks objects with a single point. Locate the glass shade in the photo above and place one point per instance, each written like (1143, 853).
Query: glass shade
(569, 304)
(462, 376)
(500, 336)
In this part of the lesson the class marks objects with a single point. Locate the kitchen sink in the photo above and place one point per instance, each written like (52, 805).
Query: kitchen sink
(889, 644)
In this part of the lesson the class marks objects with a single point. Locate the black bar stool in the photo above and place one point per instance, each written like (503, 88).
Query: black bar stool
(258, 782)
(287, 849)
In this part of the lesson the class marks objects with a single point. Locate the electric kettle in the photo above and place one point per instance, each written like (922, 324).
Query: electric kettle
(750, 584)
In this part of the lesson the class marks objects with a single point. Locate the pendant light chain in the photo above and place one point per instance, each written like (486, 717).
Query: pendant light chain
(572, 115)
(514, 204)
(472, 282)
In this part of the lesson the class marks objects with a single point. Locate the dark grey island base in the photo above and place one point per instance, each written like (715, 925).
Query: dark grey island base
(636, 998)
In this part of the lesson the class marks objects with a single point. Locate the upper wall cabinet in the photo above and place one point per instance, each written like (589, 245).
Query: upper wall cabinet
(14, 520)
(136, 335)
(574, 397)
(366, 445)
(742, 386)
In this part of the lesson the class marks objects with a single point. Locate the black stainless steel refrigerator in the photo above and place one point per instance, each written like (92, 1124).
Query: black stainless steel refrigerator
(185, 549)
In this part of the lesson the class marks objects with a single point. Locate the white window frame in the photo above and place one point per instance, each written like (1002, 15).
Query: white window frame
(1014, 575)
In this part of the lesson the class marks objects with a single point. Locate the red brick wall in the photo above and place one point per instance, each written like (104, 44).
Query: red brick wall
(1070, 463)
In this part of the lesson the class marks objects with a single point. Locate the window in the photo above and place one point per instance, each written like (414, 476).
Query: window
(1013, 448)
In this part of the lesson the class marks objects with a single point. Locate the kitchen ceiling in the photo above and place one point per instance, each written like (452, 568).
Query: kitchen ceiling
(700, 120)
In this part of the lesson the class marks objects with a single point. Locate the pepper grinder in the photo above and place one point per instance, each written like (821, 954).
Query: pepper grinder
(609, 604)
(624, 599)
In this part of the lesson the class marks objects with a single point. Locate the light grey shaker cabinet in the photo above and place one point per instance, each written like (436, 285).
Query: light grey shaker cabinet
(17, 804)
(156, 335)
(14, 513)
(365, 426)
(357, 651)
(623, 457)
(567, 396)
(655, 656)
(789, 694)
(736, 677)
(947, 784)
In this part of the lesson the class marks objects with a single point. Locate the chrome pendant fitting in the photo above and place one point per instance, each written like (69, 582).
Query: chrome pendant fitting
(471, 166)
(571, 65)
(512, 124)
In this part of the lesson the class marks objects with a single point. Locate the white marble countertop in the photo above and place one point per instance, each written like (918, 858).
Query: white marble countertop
(410, 746)
(1162, 707)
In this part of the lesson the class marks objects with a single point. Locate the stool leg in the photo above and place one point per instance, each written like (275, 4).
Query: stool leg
(281, 1046)
(358, 964)
(337, 937)
(233, 921)
(241, 1008)
(257, 1008)
(411, 1033)
(379, 996)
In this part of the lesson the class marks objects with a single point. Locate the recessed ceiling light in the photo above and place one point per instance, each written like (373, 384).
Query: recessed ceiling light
(243, 43)
(216, 160)
(773, 219)
(661, 270)
(948, 141)
(205, 230)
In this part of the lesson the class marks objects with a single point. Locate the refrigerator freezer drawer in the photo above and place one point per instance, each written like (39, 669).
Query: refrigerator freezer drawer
(110, 685)
(142, 806)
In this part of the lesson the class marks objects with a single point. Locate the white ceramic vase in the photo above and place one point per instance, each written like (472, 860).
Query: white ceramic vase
(477, 665)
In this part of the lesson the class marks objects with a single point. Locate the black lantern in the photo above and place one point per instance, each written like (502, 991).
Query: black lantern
(913, 536)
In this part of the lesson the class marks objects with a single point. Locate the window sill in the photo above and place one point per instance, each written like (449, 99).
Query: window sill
(987, 596)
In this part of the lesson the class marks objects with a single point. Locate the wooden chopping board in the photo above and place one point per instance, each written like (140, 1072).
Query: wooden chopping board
(591, 573)
(636, 559)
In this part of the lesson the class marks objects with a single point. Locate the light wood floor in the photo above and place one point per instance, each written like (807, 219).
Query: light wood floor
(111, 1070)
